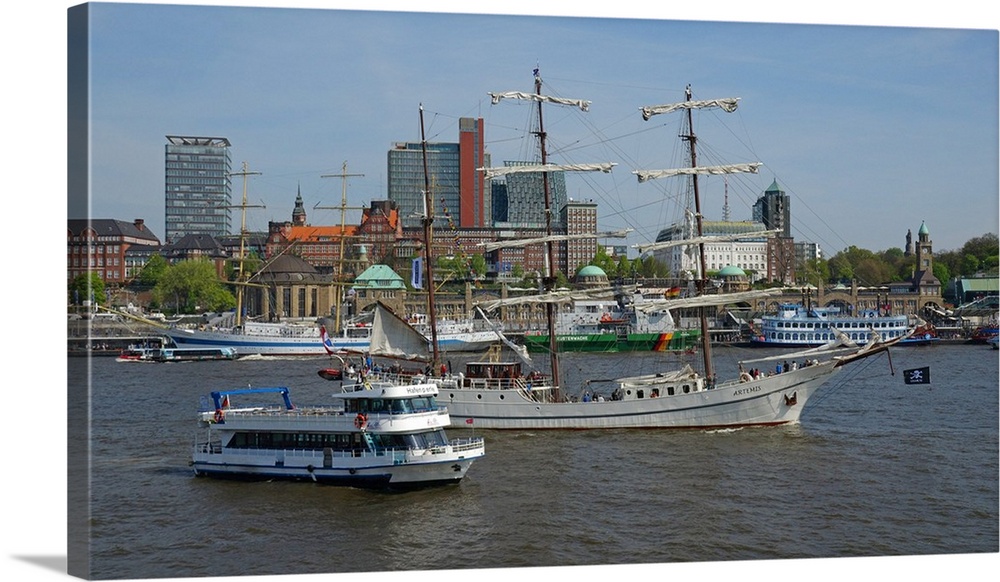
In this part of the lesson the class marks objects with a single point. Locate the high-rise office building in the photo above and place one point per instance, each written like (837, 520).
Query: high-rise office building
(198, 187)
(406, 180)
(459, 193)
(774, 210)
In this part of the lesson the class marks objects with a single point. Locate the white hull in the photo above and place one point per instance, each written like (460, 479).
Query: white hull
(246, 344)
(384, 470)
(771, 400)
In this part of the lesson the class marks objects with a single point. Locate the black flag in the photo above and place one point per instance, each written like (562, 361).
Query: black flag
(917, 376)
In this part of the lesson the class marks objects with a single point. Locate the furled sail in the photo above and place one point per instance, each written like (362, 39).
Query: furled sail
(727, 104)
(537, 168)
(706, 300)
(523, 242)
(840, 342)
(582, 104)
(749, 168)
(660, 378)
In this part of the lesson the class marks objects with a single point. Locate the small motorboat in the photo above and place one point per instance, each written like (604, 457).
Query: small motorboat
(331, 374)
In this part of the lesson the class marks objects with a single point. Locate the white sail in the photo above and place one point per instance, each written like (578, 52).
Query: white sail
(582, 104)
(749, 168)
(727, 104)
(523, 242)
(705, 239)
(393, 337)
(707, 300)
(537, 168)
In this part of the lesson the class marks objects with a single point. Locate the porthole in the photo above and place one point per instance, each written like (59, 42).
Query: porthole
(479, 396)
(501, 397)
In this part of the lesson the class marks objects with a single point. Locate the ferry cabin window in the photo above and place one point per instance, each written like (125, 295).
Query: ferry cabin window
(316, 441)
(423, 440)
(392, 406)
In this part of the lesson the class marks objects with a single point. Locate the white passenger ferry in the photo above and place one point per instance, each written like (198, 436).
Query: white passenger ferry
(796, 326)
(374, 436)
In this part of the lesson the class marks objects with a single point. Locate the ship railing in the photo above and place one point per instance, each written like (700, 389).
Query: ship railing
(466, 444)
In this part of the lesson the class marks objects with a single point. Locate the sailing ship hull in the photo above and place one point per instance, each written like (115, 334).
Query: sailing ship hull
(309, 345)
(678, 340)
(770, 400)
(262, 345)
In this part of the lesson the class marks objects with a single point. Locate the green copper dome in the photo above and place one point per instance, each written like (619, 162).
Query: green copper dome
(591, 271)
(731, 271)
(923, 228)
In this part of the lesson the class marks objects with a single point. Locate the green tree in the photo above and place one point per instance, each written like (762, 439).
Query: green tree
(982, 247)
(941, 272)
(605, 262)
(87, 286)
(841, 268)
(650, 268)
(153, 270)
(478, 265)
(191, 285)
(623, 268)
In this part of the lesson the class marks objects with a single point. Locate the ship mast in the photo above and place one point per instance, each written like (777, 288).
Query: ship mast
(241, 276)
(548, 281)
(706, 342)
(428, 220)
(339, 275)
(728, 104)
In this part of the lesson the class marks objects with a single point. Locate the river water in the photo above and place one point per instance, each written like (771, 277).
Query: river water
(875, 468)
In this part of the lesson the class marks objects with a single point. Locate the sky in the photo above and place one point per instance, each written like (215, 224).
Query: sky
(870, 129)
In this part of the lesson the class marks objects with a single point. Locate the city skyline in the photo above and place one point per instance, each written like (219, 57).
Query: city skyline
(866, 128)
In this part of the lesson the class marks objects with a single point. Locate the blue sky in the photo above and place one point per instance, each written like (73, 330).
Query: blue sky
(870, 129)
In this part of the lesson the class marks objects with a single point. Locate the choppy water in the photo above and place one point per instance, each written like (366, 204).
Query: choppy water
(875, 468)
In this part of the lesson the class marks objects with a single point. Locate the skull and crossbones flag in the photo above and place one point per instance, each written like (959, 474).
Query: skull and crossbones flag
(917, 376)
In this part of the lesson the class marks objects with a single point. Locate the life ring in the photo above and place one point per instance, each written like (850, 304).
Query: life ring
(606, 317)
(745, 377)
(219, 415)
(360, 421)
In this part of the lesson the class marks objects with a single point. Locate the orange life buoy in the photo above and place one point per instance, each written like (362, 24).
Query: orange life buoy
(606, 317)
(360, 421)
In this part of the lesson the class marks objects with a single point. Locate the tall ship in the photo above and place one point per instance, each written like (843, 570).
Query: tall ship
(615, 325)
(313, 338)
(498, 395)
(373, 436)
(797, 325)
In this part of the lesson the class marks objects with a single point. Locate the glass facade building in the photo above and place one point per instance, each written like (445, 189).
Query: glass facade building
(406, 180)
(198, 187)
(526, 197)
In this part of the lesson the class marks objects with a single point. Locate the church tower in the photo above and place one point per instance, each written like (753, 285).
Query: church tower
(299, 214)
